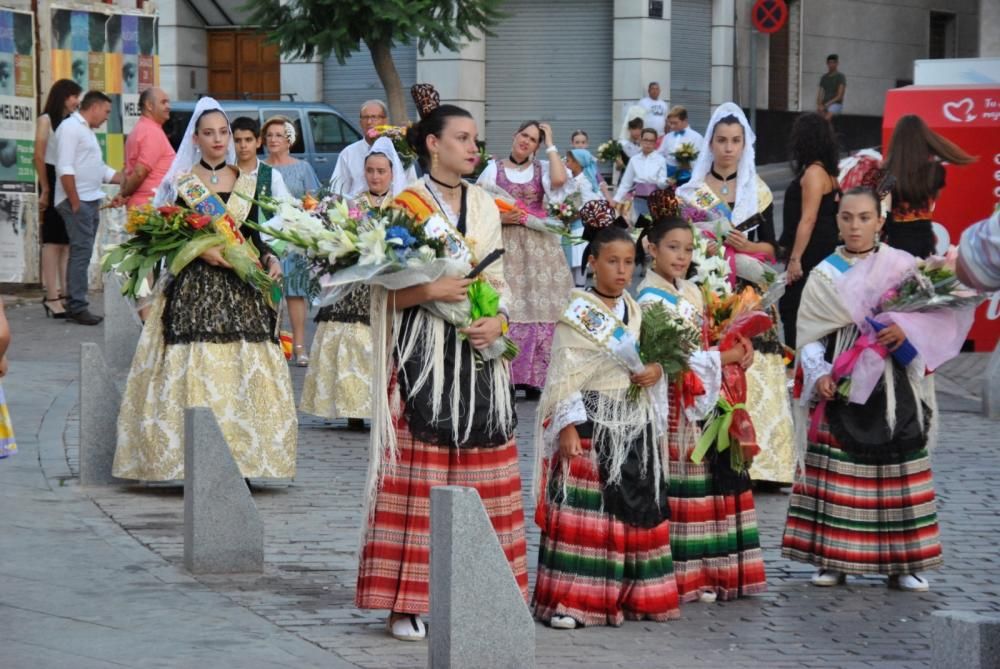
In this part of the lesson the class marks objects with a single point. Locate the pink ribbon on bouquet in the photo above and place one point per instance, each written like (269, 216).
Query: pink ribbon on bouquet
(864, 363)
(730, 255)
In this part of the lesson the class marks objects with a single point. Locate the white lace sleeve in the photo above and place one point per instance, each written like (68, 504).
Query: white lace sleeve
(570, 411)
(708, 366)
(814, 366)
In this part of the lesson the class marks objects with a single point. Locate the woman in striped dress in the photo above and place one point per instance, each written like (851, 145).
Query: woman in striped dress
(864, 503)
(602, 487)
(713, 522)
(440, 416)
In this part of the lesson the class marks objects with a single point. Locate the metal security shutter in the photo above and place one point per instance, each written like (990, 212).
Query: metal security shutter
(691, 59)
(347, 86)
(550, 61)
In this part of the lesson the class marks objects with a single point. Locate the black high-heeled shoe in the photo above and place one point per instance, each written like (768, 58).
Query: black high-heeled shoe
(49, 313)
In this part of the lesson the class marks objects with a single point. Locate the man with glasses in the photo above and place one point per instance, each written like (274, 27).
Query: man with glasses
(349, 174)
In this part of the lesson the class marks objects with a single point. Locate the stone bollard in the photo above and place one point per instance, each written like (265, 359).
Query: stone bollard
(122, 326)
(991, 385)
(965, 640)
(223, 533)
(478, 615)
(100, 402)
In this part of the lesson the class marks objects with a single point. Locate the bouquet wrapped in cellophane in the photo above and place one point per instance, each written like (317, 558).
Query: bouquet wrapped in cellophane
(389, 248)
(729, 427)
(173, 237)
(530, 217)
(685, 155)
(397, 135)
(567, 211)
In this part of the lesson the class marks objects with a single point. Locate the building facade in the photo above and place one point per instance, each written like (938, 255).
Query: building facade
(580, 63)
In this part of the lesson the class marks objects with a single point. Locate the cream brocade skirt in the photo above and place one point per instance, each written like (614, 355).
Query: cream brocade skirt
(338, 381)
(768, 405)
(247, 386)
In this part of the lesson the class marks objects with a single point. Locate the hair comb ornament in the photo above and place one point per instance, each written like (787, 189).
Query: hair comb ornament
(663, 203)
(597, 214)
(426, 98)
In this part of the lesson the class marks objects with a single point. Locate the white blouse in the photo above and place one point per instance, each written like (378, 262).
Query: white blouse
(517, 176)
(643, 169)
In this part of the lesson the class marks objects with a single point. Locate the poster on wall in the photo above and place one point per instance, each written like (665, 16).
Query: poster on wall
(17, 135)
(114, 53)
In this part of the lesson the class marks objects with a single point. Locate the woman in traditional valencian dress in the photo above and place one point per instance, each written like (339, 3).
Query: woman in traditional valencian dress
(429, 427)
(864, 502)
(724, 183)
(210, 339)
(338, 384)
(713, 522)
(534, 264)
(602, 483)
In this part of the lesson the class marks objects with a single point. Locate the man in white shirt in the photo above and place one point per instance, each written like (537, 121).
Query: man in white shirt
(348, 177)
(645, 173)
(679, 133)
(656, 109)
(80, 171)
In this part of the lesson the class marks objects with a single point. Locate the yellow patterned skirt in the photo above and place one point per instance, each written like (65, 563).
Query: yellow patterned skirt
(338, 382)
(246, 384)
(768, 405)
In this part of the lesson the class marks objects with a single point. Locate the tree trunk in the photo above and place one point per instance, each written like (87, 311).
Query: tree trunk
(389, 76)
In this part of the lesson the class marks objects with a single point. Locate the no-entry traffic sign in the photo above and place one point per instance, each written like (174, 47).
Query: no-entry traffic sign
(769, 15)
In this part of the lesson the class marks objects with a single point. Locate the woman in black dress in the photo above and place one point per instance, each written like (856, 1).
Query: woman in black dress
(809, 233)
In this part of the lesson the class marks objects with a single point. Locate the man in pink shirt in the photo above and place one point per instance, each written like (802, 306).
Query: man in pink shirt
(148, 153)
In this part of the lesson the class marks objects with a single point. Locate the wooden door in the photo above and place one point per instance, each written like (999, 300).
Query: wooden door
(241, 65)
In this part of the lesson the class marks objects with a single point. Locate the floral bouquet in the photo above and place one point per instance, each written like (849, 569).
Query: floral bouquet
(685, 155)
(711, 269)
(728, 318)
(483, 159)
(175, 236)
(394, 249)
(668, 340)
(531, 218)
(610, 151)
(397, 135)
(923, 297)
(566, 211)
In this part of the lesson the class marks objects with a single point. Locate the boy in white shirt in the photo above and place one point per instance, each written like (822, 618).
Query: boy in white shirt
(680, 133)
(645, 173)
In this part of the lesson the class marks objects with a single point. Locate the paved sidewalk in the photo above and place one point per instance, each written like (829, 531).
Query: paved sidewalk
(92, 577)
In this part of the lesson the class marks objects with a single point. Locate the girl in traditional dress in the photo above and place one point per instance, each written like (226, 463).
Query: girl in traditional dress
(724, 183)
(338, 384)
(864, 503)
(534, 264)
(585, 182)
(601, 482)
(7, 445)
(279, 136)
(713, 522)
(210, 338)
(429, 427)
(914, 160)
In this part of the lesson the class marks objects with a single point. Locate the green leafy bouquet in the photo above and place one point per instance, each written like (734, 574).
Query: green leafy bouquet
(666, 339)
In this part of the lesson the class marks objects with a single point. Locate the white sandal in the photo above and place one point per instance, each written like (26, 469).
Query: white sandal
(562, 623)
(406, 627)
(909, 583)
(826, 578)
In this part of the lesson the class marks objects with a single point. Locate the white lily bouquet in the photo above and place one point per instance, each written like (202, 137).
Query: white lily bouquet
(394, 249)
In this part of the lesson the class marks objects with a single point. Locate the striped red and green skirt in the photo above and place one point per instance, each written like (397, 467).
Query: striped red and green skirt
(593, 567)
(714, 536)
(858, 518)
(394, 572)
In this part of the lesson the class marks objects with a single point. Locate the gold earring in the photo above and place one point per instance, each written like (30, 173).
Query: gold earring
(434, 161)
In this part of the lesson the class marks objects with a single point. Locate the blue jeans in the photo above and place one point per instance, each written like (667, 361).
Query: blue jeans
(82, 230)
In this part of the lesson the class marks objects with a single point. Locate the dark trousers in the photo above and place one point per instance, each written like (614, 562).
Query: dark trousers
(82, 229)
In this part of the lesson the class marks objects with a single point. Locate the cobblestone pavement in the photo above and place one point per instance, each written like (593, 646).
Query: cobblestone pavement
(312, 531)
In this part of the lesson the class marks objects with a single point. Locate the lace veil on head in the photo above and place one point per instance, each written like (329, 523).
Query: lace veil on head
(188, 153)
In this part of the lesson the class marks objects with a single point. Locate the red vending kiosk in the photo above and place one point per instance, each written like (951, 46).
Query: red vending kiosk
(970, 117)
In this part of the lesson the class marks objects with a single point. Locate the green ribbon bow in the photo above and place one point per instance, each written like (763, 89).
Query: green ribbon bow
(716, 431)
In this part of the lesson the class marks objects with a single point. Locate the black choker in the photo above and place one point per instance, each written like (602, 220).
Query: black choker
(860, 253)
(524, 162)
(607, 297)
(215, 177)
(722, 178)
(382, 194)
(443, 184)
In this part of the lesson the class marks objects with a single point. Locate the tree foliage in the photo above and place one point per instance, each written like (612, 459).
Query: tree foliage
(308, 28)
